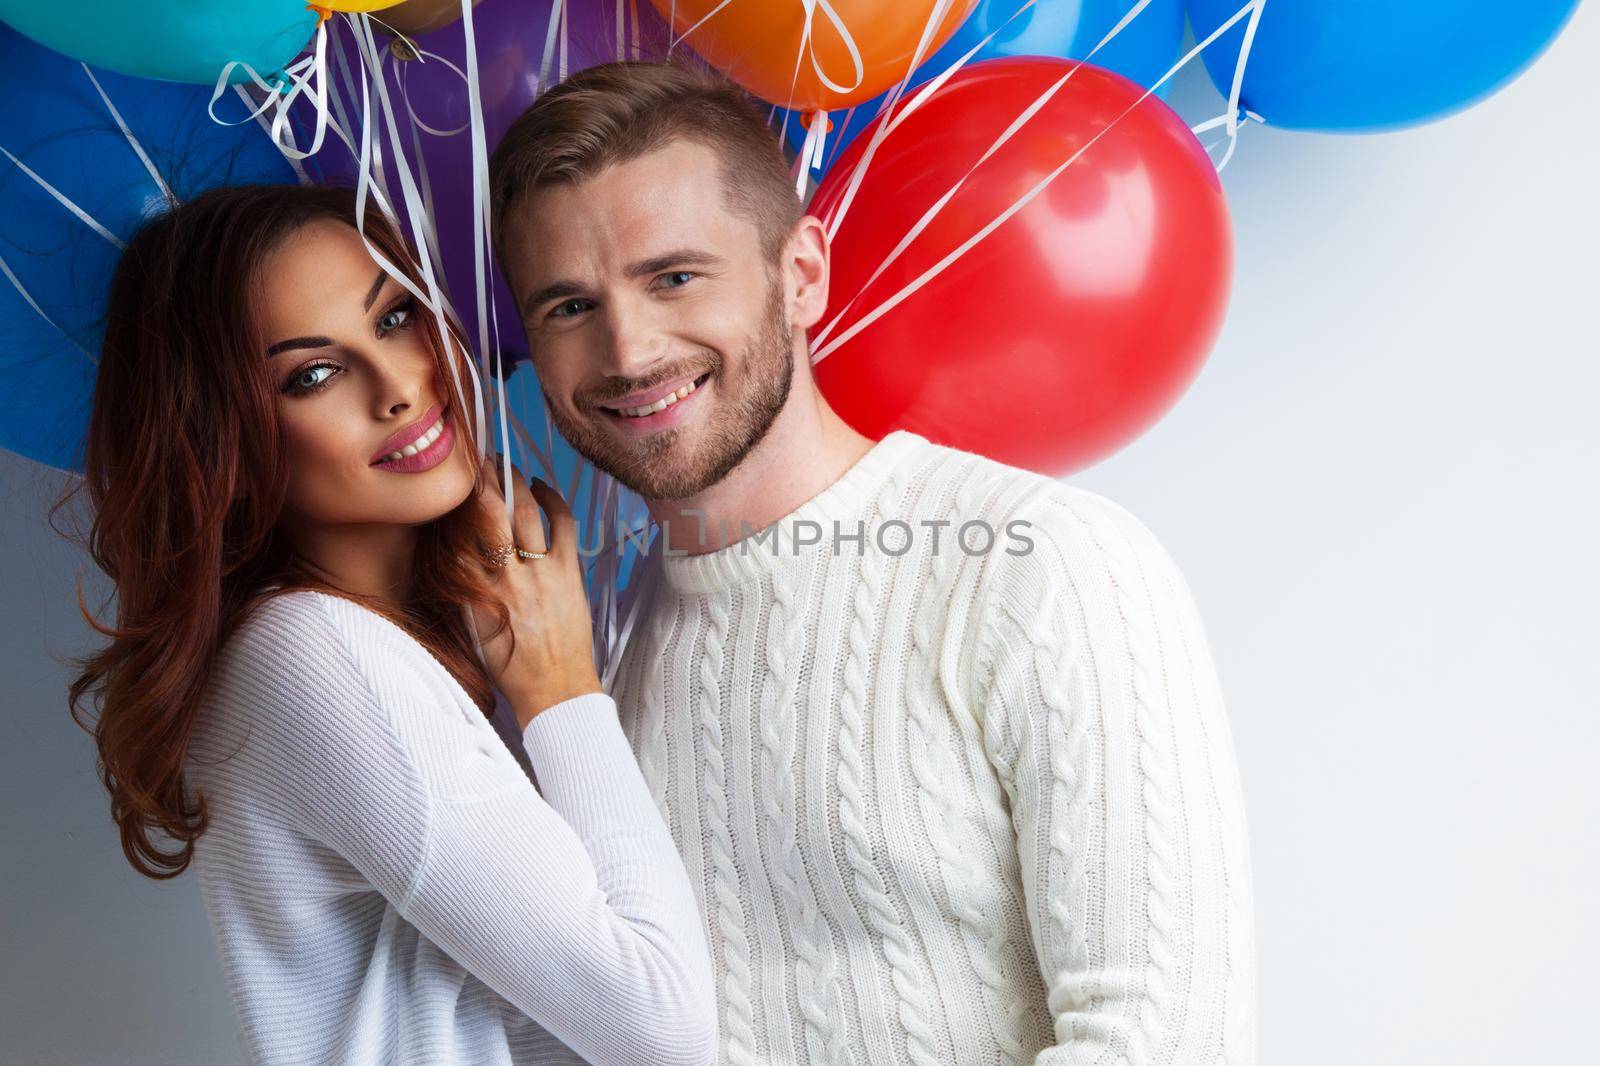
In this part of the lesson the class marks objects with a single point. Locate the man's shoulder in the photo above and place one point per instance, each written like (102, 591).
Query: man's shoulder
(1048, 532)
(976, 485)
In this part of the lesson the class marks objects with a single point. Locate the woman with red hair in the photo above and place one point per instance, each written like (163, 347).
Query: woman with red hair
(307, 553)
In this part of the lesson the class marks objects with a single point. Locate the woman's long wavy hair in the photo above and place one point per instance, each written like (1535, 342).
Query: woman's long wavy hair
(186, 473)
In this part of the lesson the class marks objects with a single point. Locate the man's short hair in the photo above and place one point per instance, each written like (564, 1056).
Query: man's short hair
(619, 111)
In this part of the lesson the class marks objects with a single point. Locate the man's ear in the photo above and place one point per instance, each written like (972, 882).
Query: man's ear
(805, 263)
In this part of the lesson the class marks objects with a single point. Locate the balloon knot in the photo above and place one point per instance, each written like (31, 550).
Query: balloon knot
(806, 116)
(323, 13)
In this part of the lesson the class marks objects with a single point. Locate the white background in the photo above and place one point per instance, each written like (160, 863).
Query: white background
(1377, 490)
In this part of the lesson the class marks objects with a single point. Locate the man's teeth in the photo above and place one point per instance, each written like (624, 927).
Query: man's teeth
(660, 405)
(419, 444)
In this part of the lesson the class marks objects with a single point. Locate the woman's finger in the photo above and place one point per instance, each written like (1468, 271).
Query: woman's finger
(529, 529)
(491, 499)
(563, 526)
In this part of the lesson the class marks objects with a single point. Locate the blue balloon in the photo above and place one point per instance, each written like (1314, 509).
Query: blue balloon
(54, 121)
(1371, 65)
(175, 40)
(1144, 50)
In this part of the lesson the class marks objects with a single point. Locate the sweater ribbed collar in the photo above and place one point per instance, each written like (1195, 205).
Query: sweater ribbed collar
(772, 546)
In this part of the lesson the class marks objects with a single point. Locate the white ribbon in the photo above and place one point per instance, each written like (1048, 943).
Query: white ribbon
(307, 75)
(1231, 116)
(823, 347)
(924, 48)
(133, 142)
(22, 290)
(61, 198)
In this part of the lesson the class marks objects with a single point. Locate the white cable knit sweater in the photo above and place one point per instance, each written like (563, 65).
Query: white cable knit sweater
(950, 808)
(386, 886)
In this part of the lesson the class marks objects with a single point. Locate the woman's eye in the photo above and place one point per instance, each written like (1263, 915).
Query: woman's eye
(307, 381)
(393, 319)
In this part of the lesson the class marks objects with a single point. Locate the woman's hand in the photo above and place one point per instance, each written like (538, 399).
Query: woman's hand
(553, 656)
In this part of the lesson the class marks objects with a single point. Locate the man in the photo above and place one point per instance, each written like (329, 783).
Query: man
(939, 739)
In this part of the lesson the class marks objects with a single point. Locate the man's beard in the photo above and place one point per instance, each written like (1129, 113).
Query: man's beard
(666, 465)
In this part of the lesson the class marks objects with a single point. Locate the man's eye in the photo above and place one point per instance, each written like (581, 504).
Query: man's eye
(672, 278)
(568, 309)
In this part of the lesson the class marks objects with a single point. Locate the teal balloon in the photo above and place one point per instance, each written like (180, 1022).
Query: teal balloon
(172, 40)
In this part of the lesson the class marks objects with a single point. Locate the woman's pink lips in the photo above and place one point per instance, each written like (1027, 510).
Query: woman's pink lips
(429, 457)
(405, 436)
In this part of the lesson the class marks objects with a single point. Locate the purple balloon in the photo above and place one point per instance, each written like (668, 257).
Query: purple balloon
(510, 40)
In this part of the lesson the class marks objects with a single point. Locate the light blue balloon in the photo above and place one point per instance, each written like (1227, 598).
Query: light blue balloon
(1144, 50)
(53, 120)
(173, 40)
(1373, 65)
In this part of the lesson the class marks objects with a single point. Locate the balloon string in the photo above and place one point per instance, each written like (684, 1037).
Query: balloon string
(939, 267)
(488, 345)
(557, 21)
(340, 120)
(266, 127)
(133, 142)
(924, 48)
(307, 75)
(702, 21)
(845, 37)
(917, 101)
(810, 151)
(425, 184)
(61, 198)
(1231, 117)
(422, 56)
(22, 290)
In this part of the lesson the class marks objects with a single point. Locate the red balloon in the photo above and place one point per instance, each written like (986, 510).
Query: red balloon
(1071, 327)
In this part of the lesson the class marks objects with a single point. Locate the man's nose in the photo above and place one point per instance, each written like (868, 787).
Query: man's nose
(635, 341)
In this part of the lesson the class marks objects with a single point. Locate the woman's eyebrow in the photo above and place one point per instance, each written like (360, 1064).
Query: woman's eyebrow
(324, 342)
(377, 287)
(299, 342)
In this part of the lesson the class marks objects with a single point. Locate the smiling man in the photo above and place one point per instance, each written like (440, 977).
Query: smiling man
(940, 740)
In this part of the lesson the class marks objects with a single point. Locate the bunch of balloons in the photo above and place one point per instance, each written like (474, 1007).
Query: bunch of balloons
(1031, 250)
(1032, 256)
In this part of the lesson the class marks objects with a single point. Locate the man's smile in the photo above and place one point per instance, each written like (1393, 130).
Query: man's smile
(657, 408)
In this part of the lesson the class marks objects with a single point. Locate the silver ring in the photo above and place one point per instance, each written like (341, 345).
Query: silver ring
(530, 555)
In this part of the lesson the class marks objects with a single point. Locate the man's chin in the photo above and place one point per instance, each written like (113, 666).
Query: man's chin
(653, 465)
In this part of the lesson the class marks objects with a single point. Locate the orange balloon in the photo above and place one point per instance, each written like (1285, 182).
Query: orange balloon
(757, 42)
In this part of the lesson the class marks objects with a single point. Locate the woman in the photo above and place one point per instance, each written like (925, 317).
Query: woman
(288, 497)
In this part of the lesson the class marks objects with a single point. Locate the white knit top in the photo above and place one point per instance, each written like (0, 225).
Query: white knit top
(385, 884)
(942, 807)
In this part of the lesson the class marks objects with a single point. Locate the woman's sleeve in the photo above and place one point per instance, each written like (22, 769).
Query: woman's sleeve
(572, 905)
(1103, 717)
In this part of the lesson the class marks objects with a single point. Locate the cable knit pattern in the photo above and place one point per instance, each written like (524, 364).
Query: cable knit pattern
(740, 1044)
(813, 945)
(996, 815)
(387, 884)
(900, 953)
(933, 765)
